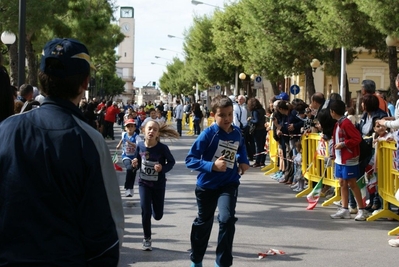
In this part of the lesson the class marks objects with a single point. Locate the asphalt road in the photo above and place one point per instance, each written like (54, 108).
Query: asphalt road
(269, 216)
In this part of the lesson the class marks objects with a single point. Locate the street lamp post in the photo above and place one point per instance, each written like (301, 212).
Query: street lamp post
(242, 77)
(315, 64)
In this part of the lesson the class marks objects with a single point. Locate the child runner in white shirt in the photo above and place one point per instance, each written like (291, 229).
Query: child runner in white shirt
(128, 142)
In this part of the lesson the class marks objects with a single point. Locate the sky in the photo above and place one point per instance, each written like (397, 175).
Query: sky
(155, 20)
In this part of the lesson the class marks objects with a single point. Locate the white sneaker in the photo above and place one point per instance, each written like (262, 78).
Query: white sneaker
(341, 214)
(147, 244)
(294, 186)
(393, 242)
(337, 203)
(353, 210)
(361, 215)
(129, 193)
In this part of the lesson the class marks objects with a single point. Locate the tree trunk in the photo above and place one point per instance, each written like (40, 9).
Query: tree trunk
(32, 62)
(309, 81)
(275, 88)
(393, 71)
(14, 63)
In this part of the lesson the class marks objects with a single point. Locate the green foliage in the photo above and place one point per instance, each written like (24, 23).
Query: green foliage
(174, 80)
(201, 54)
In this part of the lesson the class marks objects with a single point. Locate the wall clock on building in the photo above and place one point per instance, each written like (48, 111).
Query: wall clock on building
(126, 12)
(125, 27)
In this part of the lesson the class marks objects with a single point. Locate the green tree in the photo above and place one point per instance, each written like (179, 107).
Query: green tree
(200, 52)
(383, 15)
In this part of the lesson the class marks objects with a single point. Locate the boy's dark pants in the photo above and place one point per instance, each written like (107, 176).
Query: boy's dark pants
(225, 198)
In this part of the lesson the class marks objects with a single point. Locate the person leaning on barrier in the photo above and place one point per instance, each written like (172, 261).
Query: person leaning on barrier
(392, 122)
(60, 200)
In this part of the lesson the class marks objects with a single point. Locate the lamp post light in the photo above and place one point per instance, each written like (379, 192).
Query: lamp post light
(7, 38)
(165, 49)
(172, 36)
(315, 64)
(194, 2)
(242, 77)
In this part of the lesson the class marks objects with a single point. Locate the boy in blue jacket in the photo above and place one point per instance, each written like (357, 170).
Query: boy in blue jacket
(219, 155)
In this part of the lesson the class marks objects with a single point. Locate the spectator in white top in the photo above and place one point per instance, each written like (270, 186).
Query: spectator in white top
(178, 115)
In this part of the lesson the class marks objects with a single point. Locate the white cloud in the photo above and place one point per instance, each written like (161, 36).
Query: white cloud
(154, 20)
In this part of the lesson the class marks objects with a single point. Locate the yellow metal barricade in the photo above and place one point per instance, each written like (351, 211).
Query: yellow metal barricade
(183, 122)
(273, 154)
(169, 117)
(388, 182)
(314, 159)
(190, 126)
(210, 121)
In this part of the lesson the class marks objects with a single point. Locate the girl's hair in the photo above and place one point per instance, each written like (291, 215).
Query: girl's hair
(220, 101)
(253, 104)
(351, 111)
(284, 105)
(370, 103)
(164, 130)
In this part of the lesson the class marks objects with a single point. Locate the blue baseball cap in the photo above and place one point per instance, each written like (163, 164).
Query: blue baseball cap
(283, 96)
(72, 55)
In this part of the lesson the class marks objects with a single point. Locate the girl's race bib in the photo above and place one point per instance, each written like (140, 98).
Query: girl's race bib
(147, 171)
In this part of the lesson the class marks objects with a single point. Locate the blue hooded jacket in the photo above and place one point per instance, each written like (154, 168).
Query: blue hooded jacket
(202, 156)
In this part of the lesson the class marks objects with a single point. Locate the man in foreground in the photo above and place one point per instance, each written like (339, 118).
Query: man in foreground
(59, 198)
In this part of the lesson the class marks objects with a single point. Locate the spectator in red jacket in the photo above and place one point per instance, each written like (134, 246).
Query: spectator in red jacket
(110, 119)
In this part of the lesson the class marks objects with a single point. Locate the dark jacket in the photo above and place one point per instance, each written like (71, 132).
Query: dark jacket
(59, 197)
(258, 118)
(376, 115)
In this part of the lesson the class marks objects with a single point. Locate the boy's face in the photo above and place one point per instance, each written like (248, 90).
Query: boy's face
(153, 114)
(130, 128)
(224, 117)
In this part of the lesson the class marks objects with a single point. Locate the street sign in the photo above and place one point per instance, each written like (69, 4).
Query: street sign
(258, 82)
(294, 89)
(217, 87)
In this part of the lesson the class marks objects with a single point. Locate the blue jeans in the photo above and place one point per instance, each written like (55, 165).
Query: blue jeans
(152, 202)
(130, 174)
(225, 199)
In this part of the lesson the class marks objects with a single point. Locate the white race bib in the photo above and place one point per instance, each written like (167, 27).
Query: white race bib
(147, 170)
(130, 149)
(228, 150)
